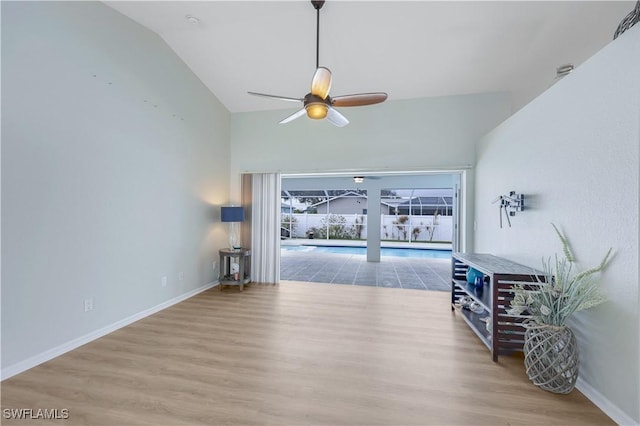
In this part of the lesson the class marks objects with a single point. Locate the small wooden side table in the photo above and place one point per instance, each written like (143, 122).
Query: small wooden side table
(239, 275)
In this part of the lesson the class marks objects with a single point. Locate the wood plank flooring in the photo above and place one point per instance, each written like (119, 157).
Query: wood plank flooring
(294, 354)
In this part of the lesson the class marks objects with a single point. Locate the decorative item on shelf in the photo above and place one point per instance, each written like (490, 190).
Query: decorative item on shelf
(629, 21)
(487, 321)
(235, 271)
(550, 348)
(465, 302)
(510, 204)
(472, 274)
(479, 285)
(476, 307)
(233, 215)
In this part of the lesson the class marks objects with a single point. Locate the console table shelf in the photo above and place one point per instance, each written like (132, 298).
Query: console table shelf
(504, 334)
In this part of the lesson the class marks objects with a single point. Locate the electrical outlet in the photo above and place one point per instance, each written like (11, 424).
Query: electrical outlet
(164, 281)
(214, 266)
(88, 304)
(181, 276)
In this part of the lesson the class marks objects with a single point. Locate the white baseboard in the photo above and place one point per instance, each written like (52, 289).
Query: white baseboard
(609, 408)
(47, 355)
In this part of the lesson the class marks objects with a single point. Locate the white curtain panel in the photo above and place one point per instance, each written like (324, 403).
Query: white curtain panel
(265, 235)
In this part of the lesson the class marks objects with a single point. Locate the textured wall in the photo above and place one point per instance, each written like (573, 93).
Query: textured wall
(573, 152)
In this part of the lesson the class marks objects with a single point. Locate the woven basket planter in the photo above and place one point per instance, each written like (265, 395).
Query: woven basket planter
(551, 358)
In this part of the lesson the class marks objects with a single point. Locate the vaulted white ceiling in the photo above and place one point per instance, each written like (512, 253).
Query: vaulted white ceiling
(409, 49)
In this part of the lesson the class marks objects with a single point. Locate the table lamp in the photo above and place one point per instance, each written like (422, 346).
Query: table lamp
(234, 215)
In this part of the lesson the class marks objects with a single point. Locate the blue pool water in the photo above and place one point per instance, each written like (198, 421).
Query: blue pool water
(384, 251)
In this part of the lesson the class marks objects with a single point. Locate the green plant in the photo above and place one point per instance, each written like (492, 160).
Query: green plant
(336, 226)
(400, 224)
(561, 293)
(434, 223)
(289, 222)
(415, 233)
(358, 227)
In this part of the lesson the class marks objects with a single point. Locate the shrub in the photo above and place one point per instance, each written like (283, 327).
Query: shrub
(290, 223)
(337, 226)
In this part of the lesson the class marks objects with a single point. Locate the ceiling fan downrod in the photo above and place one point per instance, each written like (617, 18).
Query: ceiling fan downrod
(317, 4)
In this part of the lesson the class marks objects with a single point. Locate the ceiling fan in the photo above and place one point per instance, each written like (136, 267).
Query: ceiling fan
(317, 104)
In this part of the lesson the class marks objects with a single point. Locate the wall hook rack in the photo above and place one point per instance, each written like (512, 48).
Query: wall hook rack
(510, 204)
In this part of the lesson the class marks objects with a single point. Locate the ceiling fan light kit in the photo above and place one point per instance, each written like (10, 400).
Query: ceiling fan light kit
(317, 104)
(317, 110)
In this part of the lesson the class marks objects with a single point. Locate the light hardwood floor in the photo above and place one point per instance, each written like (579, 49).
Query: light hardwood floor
(295, 354)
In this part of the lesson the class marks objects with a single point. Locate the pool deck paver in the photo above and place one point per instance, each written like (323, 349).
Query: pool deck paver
(353, 269)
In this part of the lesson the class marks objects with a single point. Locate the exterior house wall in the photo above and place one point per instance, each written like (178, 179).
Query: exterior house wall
(347, 205)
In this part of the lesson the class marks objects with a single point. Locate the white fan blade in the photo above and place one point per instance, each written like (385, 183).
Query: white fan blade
(295, 115)
(336, 118)
(321, 82)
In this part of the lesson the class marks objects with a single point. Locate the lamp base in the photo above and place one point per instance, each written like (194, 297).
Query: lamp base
(234, 236)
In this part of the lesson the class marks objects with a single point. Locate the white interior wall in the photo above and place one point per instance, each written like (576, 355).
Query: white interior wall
(418, 134)
(104, 193)
(573, 152)
(114, 160)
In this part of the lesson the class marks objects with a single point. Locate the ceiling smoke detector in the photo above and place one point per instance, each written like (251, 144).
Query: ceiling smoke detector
(192, 19)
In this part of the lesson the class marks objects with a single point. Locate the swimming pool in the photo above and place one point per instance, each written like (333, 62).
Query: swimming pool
(384, 251)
